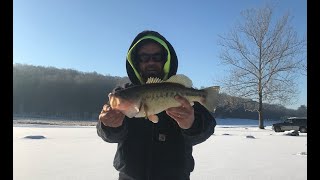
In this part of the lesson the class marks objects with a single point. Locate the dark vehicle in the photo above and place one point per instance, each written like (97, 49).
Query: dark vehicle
(292, 123)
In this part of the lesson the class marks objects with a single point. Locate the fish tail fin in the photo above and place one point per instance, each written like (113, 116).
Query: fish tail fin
(211, 100)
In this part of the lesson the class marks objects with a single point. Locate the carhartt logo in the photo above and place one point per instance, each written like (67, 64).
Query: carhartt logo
(162, 137)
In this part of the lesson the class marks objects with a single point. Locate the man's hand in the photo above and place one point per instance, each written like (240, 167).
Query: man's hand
(184, 114)
(110, 117)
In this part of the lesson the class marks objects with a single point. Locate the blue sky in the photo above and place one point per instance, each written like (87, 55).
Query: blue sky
(95, 35)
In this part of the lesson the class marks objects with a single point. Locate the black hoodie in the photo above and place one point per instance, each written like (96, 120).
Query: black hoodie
(161, 151)
(171, 65)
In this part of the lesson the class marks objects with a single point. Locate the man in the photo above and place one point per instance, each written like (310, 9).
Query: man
(147, 150)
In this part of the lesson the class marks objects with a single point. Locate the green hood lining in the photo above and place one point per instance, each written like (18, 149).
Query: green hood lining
(166, 67)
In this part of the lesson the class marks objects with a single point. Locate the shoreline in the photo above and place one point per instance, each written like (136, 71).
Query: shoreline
(54, 122)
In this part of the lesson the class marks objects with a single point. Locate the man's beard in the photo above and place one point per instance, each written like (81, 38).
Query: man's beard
(147, 75)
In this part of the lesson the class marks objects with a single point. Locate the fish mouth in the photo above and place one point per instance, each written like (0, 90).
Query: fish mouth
(113, 100)
(118, 103)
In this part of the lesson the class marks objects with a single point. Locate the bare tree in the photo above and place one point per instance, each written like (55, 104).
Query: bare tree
(264, 58)
(304, 69)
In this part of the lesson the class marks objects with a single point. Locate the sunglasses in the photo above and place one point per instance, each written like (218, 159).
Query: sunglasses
(156, 57)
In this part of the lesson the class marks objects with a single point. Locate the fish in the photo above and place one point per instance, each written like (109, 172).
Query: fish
(156, 95)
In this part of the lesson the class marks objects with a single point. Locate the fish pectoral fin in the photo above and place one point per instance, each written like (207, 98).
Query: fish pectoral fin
(153, 118)
(145, 109)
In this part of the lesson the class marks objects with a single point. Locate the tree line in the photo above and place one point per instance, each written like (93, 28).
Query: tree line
(71, 94)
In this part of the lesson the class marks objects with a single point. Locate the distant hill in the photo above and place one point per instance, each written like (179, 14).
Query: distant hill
(70, 94)
(49, 91)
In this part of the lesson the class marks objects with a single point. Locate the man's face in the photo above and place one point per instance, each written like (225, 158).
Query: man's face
(151, 60)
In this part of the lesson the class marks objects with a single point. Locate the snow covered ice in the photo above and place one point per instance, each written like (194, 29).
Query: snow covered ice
(238, 150)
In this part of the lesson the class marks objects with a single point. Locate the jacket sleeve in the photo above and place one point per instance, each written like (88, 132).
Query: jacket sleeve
(202, 127)
(110, 134)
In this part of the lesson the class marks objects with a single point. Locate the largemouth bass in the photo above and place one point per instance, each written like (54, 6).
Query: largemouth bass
(157, 95)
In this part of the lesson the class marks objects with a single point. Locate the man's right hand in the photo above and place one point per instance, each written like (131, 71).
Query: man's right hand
(110, 117)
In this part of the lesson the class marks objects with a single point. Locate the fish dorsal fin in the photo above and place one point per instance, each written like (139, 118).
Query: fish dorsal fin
(180, 79)
(154, 80)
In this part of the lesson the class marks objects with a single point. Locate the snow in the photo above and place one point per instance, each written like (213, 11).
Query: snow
(238, 150)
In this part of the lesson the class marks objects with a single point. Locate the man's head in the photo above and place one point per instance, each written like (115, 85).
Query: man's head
(150, 55)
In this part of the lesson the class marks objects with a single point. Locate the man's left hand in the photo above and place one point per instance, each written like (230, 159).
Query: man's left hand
(184, 114)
